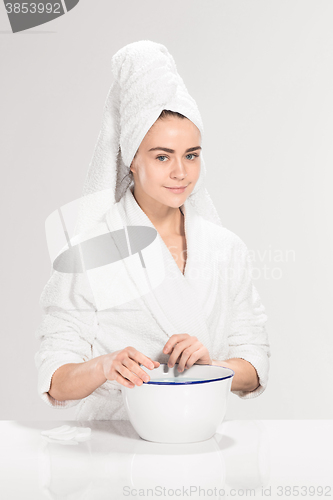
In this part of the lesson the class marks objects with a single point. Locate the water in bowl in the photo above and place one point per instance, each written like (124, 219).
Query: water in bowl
(175, 380)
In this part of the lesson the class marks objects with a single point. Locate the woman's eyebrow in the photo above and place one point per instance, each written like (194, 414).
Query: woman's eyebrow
(172, 150)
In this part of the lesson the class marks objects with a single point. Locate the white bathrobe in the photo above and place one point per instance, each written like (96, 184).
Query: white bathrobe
(143, 299)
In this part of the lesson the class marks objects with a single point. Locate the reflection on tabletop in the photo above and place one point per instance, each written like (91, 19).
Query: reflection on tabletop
(117, 461)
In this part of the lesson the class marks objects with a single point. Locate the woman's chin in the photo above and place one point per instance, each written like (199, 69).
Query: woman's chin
(174, 201)
(168, 197)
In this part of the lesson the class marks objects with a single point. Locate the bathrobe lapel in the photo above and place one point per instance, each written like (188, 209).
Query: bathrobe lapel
(179, 303)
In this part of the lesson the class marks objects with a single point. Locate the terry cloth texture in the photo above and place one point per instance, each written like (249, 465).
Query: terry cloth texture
(111, 307)
(142, 298)
(146, 81)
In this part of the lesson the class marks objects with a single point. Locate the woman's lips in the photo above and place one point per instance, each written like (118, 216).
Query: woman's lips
(176, 190)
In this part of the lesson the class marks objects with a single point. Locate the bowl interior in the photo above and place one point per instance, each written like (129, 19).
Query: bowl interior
(196, 374)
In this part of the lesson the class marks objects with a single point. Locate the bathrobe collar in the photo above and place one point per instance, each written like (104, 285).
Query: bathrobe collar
(180, 303)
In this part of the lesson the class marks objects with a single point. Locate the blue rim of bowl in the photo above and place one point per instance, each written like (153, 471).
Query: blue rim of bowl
(151, 382)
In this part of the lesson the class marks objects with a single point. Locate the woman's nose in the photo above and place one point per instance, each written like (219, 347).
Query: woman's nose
(179, 169)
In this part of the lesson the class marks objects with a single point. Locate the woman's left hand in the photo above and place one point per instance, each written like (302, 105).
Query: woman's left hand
(189, 349)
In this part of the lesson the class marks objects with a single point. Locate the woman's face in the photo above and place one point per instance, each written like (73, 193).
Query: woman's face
(168, 156)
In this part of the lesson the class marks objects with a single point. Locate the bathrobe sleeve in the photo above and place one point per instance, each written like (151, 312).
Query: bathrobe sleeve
(248, 338)
(67, 331)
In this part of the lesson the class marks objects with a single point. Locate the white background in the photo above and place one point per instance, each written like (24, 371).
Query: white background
(262, 75)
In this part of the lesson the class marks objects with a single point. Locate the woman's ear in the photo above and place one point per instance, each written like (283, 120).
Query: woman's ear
(132, 166)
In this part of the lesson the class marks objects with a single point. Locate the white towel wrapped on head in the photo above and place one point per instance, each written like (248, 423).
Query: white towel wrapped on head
(146, 81)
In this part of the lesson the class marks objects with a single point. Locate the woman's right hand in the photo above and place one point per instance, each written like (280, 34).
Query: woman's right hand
(123, 366)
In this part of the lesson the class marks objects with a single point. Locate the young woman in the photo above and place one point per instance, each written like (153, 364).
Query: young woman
(202, 309)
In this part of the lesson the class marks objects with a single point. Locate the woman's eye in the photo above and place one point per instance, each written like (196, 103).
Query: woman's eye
(161, 157)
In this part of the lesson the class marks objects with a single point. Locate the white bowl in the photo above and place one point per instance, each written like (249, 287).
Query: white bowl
(181, 411)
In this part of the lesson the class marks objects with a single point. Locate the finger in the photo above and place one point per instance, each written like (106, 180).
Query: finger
(134, 367)
(141, 358)
(186, 355)
(195, 357)
(173, 340)
(178, 349)
(129, 375)
(123, 381)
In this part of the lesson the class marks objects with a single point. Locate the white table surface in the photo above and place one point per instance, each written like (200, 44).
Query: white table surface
(272, 458)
